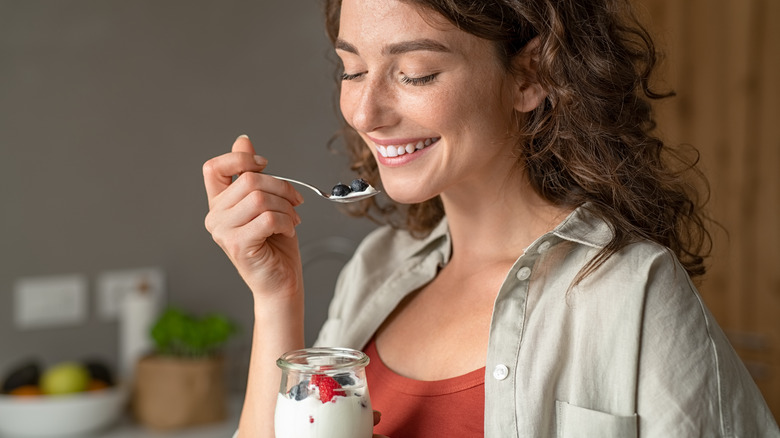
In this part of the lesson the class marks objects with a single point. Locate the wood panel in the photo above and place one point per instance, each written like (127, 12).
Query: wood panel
(723, 60)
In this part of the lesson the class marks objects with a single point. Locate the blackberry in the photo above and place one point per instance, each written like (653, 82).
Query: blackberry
(358, 185)
(344, 379)
(340, 190)
(300, 391)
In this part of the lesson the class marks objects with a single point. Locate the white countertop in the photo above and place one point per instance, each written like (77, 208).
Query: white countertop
(127, 428)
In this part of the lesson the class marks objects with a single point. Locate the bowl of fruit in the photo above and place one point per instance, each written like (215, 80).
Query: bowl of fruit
(65, 399)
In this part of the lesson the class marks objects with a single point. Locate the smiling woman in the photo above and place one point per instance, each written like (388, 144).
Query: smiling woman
(534, 275)
(418, 87)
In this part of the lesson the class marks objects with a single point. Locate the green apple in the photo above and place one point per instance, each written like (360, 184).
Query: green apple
(65, 378)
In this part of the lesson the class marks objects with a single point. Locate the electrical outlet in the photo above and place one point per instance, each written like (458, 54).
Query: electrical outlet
(113, 285)
(50, 301)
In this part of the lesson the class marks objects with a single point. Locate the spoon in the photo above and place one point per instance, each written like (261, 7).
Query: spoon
(352, 197)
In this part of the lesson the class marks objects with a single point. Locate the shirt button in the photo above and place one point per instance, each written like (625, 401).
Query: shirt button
(500, 372)
(524, 273)
(544, 246)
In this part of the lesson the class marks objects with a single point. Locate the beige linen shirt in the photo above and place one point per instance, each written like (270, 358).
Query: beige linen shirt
(631, 351)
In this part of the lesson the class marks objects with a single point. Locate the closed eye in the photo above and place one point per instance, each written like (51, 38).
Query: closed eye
(418, 81)
(349, 77)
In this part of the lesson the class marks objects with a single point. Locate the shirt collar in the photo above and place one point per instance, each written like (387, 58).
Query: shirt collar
(583, 226)
(437, 240)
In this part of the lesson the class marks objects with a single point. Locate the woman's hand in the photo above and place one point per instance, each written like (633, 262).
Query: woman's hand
(377, 417)
(253, 220)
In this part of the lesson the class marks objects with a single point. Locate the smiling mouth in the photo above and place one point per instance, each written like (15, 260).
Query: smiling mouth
(390, 151)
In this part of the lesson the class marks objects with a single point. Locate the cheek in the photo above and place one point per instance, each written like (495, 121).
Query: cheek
(346, 104)
(489, 111)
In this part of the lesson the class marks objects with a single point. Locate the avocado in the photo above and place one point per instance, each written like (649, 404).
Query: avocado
(26, 374)
(98, 370)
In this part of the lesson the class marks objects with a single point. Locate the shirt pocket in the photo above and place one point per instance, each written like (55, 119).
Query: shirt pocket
(576, 422)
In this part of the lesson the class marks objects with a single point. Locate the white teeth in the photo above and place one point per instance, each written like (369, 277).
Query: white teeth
(395, 151)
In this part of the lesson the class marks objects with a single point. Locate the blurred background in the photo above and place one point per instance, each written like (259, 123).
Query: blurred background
(722, 57)
(109, 108)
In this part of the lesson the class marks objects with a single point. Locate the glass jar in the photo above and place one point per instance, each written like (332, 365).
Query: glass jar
(323, 394)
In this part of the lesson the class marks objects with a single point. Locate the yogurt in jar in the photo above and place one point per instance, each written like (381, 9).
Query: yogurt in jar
(323, 394)
(342, 417)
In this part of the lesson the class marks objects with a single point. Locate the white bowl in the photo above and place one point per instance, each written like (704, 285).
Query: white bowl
(61, 415)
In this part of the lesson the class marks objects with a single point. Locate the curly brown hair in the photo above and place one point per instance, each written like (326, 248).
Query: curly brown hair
(591, 141)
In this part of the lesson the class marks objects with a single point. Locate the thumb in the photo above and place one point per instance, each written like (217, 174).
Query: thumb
(243, 144)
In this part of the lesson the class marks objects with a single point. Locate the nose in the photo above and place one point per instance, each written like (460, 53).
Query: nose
(368, 104)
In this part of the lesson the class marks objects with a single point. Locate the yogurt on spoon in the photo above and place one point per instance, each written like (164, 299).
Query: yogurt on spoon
(358, 187)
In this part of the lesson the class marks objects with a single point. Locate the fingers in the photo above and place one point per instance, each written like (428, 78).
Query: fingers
(245, 212)
(218, 172)
(237, 209)
(243, 144)
(248, 183)
(377, 417)
(246, 240)
(276, 223)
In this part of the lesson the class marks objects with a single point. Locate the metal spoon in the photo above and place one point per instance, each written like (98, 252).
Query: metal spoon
(353, 197)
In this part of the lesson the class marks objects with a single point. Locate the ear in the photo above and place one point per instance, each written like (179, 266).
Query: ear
(528, 93)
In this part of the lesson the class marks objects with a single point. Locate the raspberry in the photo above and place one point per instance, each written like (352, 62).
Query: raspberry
(329, 387)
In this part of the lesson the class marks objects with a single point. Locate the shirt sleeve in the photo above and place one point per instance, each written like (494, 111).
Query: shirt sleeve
(691, 381)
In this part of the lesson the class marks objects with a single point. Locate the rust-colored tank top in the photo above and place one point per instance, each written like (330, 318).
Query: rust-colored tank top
(423, 409)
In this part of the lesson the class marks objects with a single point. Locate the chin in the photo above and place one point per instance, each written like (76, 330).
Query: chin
(406, 186)
(401, 196)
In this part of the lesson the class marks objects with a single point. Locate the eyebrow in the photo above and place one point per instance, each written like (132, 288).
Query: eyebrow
(423, 44)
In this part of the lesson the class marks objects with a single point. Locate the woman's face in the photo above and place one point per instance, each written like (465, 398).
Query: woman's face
(433, 103)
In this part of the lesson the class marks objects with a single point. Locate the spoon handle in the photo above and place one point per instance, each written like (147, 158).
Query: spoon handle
(295, 181)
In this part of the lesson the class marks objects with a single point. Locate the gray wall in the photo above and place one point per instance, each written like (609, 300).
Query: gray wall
(109, 108)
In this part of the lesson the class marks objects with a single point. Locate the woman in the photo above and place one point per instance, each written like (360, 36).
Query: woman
(540, 269)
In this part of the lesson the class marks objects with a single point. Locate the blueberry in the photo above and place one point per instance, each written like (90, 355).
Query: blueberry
(340, 190)
(344, 379)
(300, 391)
(358, 185)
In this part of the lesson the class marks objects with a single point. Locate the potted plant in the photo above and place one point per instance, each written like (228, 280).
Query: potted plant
(183, 382)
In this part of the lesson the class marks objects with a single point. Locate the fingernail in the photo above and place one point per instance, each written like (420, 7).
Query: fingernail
(244, 136)
(299, 198)
(297, 220)
(262, 161)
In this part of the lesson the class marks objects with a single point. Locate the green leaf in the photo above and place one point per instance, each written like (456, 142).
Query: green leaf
(179, 334)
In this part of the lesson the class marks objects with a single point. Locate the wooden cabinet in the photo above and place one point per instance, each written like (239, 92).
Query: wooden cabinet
(723, 60)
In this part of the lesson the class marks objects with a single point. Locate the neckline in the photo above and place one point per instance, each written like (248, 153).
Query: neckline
(406, 385)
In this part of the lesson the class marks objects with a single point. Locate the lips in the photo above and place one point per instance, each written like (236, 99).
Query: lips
(390, 150)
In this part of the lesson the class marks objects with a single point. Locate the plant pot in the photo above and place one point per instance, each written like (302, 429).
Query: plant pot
(171, 393)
